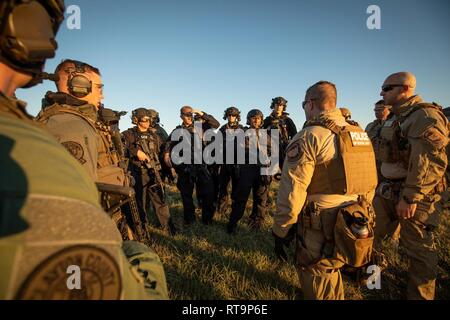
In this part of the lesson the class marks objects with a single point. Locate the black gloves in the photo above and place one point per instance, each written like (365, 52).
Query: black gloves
(280, 243)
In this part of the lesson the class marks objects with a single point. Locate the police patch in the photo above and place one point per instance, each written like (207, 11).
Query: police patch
(98, 276)
(359, 138)
(75, 150)
(293, 152)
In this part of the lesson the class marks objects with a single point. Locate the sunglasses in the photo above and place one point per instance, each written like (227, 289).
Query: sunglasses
(306, 101)
(389, 87)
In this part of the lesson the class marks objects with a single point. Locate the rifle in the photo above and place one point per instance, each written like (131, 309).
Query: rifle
(118, 148)
(152, 164)
(125, 195)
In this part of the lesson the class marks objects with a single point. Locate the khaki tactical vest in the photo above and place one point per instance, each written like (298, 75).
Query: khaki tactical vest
(394, 146)
(353, 171)
(106, 155)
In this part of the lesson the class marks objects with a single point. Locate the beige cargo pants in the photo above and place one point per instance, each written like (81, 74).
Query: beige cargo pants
(320, 279)
(417, 238)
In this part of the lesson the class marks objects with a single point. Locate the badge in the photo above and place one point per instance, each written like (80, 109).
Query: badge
(75, 150)
(293, 152)
(98, 273)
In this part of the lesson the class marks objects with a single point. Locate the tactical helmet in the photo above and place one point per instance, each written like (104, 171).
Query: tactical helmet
(154, 117)
(153, 114)
(139, 114)
(278, 101)
(254, 113)
(232, 111)
(109, 116)
(27, 34)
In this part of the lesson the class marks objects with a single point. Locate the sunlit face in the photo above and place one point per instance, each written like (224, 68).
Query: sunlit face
(187, 117)
(279, 109)
(232, 118)
(308, 106)
(381, 112)
(392, 91)
(255, 122)
(96, 96)
(144, 124)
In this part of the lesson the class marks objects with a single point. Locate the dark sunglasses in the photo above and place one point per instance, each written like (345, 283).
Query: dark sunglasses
(306, 101)
(189, 115)
(389, 87)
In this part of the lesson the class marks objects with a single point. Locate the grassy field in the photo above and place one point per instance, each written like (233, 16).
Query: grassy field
(204, 262)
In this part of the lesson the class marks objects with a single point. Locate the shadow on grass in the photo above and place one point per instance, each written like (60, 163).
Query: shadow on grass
(236, 256)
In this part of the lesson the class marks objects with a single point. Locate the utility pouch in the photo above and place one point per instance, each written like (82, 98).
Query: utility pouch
(349, 248)
(389, 190)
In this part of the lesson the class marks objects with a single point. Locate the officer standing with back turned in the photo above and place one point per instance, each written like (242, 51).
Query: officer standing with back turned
(324, 201)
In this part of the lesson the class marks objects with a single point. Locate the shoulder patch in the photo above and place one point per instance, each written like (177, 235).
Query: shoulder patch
(435, 138)
(99, 274)
(293, 152)
(75, 150)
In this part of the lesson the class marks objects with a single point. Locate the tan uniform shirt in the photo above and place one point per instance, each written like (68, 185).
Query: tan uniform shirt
(316, 145)
(427, 132)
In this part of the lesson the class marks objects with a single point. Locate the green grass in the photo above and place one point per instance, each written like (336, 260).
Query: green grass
(204, 262)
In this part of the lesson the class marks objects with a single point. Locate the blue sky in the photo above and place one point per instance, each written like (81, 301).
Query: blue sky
(214, 54)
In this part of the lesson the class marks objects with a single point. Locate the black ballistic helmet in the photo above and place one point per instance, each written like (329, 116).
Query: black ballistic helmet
(153, 114)
(233, 111)
(278, 101)
(109, 116)
(138, 114)
(254, 113)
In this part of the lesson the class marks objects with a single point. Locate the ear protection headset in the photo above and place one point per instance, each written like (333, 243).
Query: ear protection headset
(27, 34)
(78, 85)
